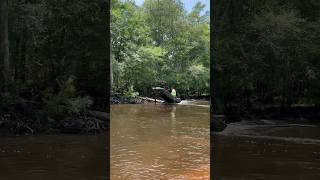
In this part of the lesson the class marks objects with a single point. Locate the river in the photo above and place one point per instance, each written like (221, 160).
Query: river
(160, 141)
(168, 142)
(63, 157)
(267, 149)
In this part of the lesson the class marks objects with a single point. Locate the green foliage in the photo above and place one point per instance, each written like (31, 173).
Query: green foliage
(200, 76)
(54, 39)
(65, 102)
(130, 93)
(79, 105)
(265, 54)
(157, 45)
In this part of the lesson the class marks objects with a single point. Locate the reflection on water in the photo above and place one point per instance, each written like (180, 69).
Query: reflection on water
(63, 157)
(267, 150)
(159, 142)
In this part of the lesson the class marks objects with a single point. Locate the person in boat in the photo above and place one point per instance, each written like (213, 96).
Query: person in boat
(173, 92)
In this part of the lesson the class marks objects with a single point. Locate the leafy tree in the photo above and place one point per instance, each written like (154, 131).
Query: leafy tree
(159, 44)
(265, 54)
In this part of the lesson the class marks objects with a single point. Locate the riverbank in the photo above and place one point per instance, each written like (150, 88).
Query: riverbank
(295, 114)
(127, 100)
(30, 120)
(147, 100)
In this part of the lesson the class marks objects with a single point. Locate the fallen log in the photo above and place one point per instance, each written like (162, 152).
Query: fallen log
(151, 99)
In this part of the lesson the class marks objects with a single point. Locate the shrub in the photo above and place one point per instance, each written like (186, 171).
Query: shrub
(65, 102)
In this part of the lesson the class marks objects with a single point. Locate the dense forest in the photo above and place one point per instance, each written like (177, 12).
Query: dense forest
(54, 62)
(265, 54)
(159, 44)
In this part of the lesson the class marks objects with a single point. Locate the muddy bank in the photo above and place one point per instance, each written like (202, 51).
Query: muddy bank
(295, 114)
(128, 100)
(117, 99)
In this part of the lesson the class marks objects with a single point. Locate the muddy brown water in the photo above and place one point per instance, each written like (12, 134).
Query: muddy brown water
(267, 149)
(160, 141)
(167, 142)
(63, 157)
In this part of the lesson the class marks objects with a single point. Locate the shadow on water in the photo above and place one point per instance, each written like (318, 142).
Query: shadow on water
(159, 142)
(65, 157)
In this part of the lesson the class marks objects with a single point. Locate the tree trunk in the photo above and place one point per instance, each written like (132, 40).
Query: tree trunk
(109, 65)
(4, 44)
(218, 17)
(111, 70)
